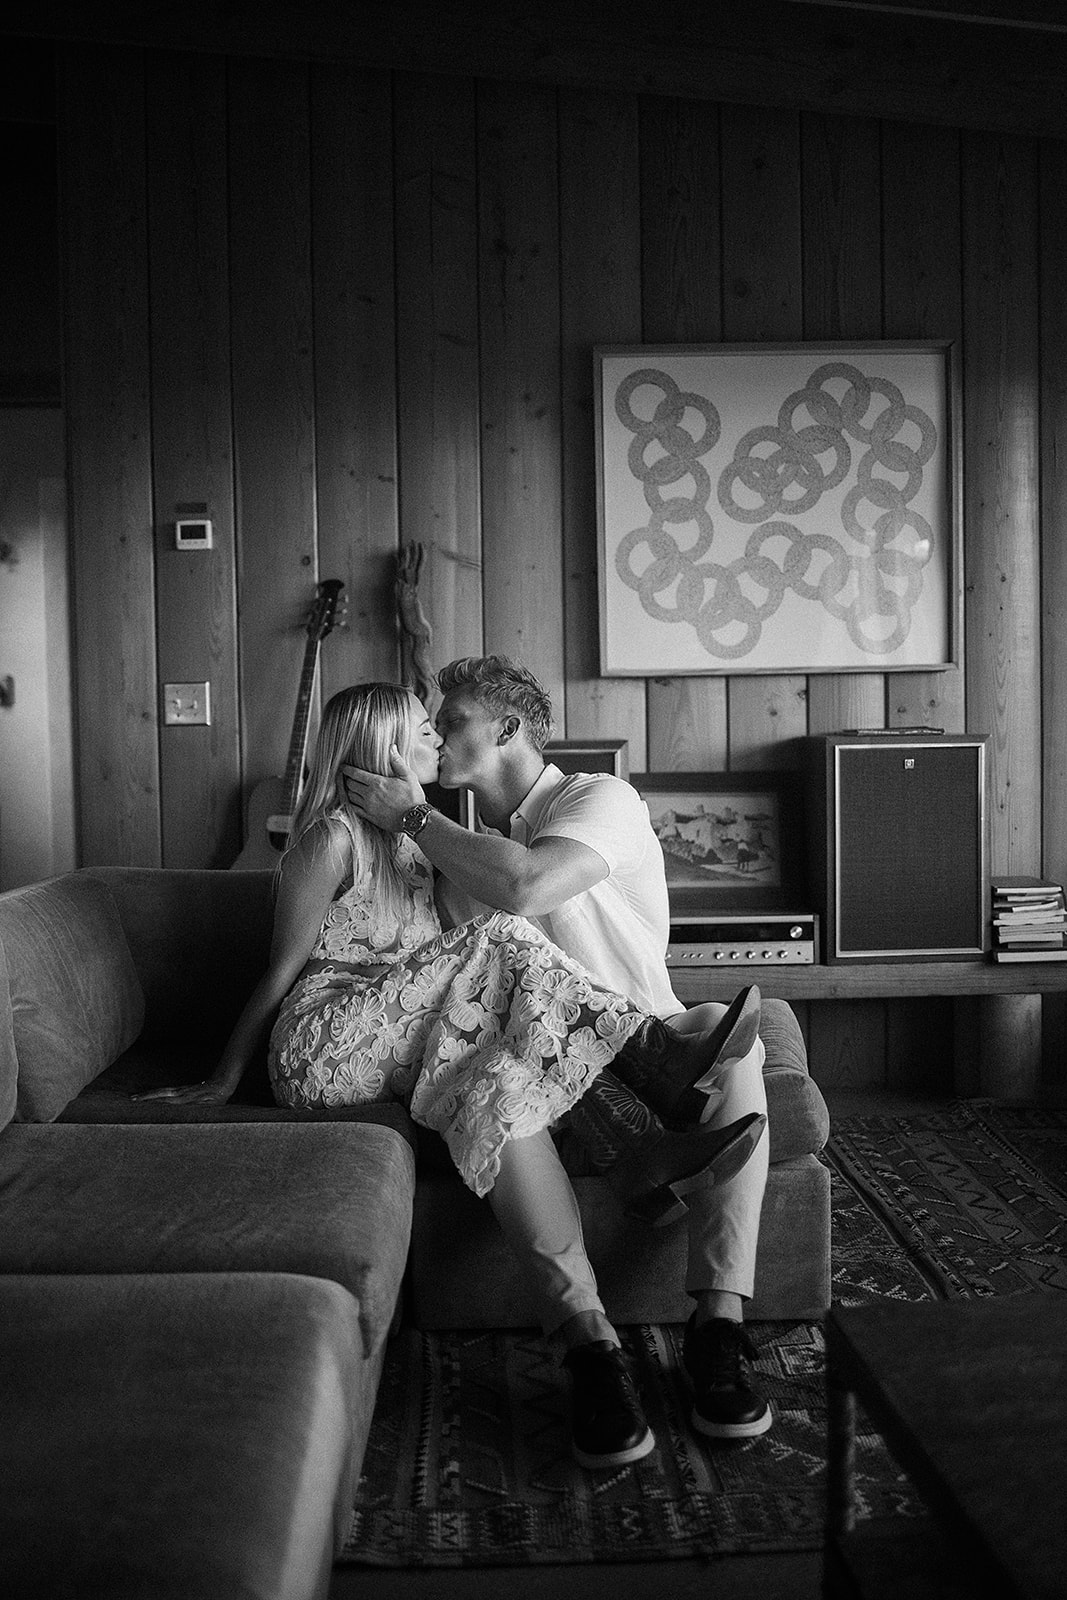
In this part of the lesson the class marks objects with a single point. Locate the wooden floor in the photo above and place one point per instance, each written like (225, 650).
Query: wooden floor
(755, 1577)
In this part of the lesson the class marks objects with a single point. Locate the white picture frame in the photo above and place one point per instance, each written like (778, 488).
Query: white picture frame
(785, 508)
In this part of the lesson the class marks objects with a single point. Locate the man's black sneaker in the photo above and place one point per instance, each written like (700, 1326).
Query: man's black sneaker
(608, 1427)
(726, 1404)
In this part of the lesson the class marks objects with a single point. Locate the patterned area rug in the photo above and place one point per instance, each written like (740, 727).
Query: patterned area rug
(468, 1462)
(976, 1196)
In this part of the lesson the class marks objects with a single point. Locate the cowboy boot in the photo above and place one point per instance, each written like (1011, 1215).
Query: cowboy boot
(668, 1070)
(653, 1170)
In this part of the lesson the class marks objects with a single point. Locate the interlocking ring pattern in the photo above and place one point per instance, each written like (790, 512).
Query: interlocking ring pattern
(778, 472)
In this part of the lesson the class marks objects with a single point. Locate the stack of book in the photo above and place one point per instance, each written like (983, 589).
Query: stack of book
(1029, 920)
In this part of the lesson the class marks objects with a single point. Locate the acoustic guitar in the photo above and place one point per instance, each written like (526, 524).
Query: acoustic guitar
(273, 801)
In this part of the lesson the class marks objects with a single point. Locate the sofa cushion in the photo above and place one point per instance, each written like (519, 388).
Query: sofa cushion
(640, 1271)
(183, 1437)
(329, 1200)
(75, 999)
(98, 1103)
(109, 1098)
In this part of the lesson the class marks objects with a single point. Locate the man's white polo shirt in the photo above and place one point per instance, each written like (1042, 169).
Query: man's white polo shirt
(617, 929)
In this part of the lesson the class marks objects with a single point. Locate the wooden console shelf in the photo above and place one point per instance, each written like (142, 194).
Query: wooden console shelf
(890, 980)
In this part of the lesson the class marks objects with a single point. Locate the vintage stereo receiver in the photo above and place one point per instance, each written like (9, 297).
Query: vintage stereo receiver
(744, 938)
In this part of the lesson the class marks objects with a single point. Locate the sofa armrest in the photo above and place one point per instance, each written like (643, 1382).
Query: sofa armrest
(797, 1117)
(74, 1001)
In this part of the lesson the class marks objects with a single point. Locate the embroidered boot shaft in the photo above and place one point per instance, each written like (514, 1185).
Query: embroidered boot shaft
(667, 1070)
(651, 1169)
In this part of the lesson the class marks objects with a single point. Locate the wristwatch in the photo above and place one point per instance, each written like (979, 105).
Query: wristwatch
(415, 819)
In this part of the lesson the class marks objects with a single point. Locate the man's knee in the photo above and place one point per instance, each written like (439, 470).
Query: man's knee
(698, 1019)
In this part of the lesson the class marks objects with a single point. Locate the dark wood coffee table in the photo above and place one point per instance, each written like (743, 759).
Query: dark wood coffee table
(971, 1397)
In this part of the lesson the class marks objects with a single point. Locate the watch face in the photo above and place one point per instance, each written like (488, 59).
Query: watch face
(414, 819)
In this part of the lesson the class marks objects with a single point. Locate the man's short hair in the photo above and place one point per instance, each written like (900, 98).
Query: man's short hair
(506, 689)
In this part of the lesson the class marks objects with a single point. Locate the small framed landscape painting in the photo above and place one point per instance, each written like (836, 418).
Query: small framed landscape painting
(731, 840)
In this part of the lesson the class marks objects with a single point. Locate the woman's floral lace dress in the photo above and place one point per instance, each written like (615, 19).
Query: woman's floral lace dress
(487, 1032)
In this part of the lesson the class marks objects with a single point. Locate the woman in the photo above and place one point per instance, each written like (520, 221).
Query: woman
(487, 1032)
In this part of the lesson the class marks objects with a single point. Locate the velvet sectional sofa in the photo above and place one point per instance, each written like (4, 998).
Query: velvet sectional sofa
(195, 1303)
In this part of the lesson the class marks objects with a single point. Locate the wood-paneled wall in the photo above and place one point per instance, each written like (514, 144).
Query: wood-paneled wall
(347, 309)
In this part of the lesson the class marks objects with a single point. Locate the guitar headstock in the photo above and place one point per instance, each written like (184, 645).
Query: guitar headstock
(329, 609)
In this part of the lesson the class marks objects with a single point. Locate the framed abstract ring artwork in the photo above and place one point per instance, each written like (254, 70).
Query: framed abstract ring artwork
(778, 508)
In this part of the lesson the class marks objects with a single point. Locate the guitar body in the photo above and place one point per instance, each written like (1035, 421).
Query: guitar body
(274, 801)
(263, 846)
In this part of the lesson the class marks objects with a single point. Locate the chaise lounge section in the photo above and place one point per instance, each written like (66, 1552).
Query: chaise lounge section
(185, 1436)
(193, 1319)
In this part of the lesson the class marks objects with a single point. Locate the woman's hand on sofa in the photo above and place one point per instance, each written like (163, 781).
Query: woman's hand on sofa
(209, 1093)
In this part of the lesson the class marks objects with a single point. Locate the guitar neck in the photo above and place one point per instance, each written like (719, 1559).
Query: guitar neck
(294, 766)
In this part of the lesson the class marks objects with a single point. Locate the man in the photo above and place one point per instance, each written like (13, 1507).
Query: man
(577, 855)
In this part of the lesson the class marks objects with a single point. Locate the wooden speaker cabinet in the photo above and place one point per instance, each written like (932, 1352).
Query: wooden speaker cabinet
(899, 846)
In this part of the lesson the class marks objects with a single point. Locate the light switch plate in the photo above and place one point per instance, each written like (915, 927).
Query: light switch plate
(187, 704)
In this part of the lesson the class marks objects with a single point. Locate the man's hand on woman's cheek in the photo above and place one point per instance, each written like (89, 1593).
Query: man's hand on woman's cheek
(379, 800)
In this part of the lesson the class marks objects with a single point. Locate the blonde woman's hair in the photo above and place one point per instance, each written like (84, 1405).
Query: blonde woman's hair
(359, 726)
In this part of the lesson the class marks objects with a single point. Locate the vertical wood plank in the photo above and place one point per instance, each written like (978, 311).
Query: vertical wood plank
(522, 539)
(101, 144)
(846, 1043)
(922, 278)
(681, 240)
(59, 684)
(601, 304)
(687, 724)
(768, 717)
(1053, 442)
(1001, 484)
(437, 352)
(355, 366)
(273, 402)
(762, 300)
(681, 290)
(840, 700)
(192, 449)
(842, 227)
(919, 1046)
(842, 300)
(1053, 357)
(1000, 300)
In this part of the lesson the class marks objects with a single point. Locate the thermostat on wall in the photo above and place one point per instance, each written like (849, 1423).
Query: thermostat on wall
(192, 533)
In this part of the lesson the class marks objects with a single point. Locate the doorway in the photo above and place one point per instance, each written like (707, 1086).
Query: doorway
(37, 826)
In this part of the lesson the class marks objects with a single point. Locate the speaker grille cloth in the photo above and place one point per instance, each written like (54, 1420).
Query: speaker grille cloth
(909, 870)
